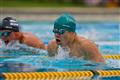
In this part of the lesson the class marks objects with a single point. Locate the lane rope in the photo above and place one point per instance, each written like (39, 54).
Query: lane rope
(116, 56)
(58, 75)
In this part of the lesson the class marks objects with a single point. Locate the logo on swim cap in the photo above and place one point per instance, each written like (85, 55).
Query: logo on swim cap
(9, 23)
(66, 22)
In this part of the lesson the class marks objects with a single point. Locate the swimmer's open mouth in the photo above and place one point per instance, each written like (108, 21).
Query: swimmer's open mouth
(58, 40)
(6, 42)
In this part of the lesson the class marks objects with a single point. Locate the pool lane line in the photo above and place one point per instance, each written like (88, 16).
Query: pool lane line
(108, 73)
(59, 75)
(108, 56)
(45, 75)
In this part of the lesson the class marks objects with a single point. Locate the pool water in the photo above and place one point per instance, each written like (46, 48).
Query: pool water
(106, 35)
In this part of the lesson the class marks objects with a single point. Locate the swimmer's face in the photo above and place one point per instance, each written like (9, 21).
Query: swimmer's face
(63, 36)
(4, 33)
(59, 31)
(59, 35)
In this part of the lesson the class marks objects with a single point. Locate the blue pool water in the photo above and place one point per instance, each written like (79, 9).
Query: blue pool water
(105, 34)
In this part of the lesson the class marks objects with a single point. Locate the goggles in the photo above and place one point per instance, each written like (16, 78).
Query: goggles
(5, 34)
(59, 31)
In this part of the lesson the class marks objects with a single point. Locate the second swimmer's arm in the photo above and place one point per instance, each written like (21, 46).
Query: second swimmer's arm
(32, 41)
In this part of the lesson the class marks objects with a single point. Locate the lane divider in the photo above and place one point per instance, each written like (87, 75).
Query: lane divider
(58, 75)
(108, 73)
(45, 75)
(117, 56)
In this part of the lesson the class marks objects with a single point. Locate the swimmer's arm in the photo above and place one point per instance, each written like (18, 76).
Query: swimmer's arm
(35, 45)
(52, 48)
(33, 42)
(92, 53)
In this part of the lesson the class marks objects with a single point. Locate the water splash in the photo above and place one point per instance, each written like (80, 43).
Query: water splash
(62, 53)
(113, 63)
(92, 34)
(21, 49)
(2, 44)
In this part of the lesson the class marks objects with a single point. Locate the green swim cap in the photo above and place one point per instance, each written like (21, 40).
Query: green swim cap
(66, 22)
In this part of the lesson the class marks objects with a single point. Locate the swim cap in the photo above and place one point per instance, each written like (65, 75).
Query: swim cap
(66, 22)
(9, 23)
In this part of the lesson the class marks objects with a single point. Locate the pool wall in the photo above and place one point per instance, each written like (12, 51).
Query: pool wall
(50, 14)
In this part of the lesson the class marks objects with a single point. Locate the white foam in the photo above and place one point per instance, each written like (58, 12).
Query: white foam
(62, 53)
(113, 63)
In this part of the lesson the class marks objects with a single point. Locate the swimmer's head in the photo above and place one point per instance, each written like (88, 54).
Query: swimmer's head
(64, 23)
(11, 24)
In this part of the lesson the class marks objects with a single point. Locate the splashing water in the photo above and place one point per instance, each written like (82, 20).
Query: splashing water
(62, 53)
(113, 63)
(15, 47)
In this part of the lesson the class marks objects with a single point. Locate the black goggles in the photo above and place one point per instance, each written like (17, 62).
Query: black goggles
(5, 34)
(59, 31)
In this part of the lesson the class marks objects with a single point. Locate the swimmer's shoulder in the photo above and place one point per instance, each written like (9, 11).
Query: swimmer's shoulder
(81, 39)
(84, 41)
(27, 34)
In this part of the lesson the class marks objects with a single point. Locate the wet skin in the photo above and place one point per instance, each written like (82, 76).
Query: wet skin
(79, 46)
(24, 38)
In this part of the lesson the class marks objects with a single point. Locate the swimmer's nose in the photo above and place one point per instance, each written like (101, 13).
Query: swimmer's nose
(57, 35)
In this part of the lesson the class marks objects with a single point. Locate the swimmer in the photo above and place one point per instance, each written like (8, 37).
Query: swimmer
(66, 37)
(10, 31)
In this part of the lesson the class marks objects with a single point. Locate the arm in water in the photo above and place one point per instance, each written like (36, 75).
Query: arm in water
(31, 40)
(10, 30)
